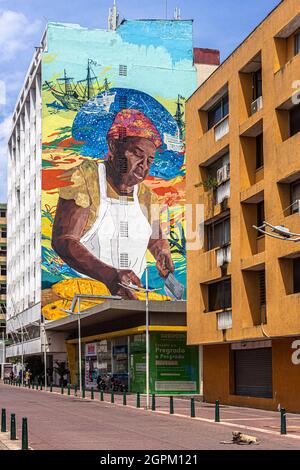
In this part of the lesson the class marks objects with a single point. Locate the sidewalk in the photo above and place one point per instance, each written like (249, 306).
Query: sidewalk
(248, 419)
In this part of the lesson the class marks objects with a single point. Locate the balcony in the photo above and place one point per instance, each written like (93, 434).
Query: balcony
(211, 208)
(289, 153)
(253, 194)
(284, 80)
(29, 347)
(209, 146)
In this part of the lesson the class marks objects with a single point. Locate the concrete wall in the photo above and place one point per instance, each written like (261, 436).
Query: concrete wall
(281, 164)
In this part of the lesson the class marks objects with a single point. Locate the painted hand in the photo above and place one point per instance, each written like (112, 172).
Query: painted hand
(125, 276)
(164, 263)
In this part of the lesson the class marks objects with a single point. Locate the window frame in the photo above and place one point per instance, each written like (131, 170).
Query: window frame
(218, 105)
(297, 43)
(222, 305)
(294, 210)
(210, 236)
(259, 151)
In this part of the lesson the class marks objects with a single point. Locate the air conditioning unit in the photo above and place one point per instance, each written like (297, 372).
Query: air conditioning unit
(256, 105)
(223, 174)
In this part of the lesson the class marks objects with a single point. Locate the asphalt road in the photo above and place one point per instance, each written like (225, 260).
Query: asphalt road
(66, 423)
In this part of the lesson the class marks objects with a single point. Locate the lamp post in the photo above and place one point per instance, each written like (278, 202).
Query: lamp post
(147, 290)
(76, 300)
(147, 344)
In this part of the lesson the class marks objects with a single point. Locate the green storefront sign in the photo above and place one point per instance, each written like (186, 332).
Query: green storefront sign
(174, 366)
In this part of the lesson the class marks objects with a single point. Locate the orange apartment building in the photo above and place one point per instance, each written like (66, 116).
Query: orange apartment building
(243, 147)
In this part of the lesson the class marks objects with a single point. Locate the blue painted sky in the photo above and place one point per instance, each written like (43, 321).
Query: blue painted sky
(220, 24)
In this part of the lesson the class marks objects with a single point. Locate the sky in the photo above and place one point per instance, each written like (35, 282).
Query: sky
(218, 24)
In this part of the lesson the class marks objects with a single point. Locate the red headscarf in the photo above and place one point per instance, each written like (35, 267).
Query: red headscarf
(134, 123)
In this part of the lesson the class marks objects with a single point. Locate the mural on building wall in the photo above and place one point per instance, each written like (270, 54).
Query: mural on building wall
(114, 165)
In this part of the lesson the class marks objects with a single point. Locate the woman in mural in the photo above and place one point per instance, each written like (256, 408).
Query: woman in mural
(100, 228)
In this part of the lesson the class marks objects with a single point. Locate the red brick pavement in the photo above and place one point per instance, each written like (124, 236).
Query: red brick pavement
(63, 422)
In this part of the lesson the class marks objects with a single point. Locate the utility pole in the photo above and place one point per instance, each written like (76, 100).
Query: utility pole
(166, 9)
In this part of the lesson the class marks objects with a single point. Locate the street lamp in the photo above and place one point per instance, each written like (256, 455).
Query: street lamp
(147, 291)
(76, 299)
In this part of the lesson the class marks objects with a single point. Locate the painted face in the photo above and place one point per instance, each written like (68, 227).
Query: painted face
(132, 159)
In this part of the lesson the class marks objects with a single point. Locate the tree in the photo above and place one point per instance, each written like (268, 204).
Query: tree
(61, 370)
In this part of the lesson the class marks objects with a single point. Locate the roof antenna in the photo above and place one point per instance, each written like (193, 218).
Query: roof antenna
(166, 9)
(113, 17)
(177, 14)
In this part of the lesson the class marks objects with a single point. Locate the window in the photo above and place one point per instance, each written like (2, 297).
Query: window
(296, 275)
(218, 111)
(297, 43)
(123, 70)
(260, 214)
(3, 233)
(262, 288)
(219, 234)
(257, 84)
(3, 289)
(219, 295)
(3, 309)
(259, 151)
(2, 213)
(3, 250)
(295, 120)
(3, 270)
(295, 196)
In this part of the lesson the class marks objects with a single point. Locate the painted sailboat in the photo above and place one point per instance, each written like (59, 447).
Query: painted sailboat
(175, 143)
(73, 95)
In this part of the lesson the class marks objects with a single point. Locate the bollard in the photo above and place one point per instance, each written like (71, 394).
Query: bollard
(171, 406)
(101, 395)
(153, 402)
(124, 398)
(51, 387)
(217, 412)
(62, 389)
(112, 397)
(69, 389)
(138, 400)
(13, 436)
(92, 393)
(3, 420)
(193, 414)
(24, 434)
(282, 421)
(83, 392)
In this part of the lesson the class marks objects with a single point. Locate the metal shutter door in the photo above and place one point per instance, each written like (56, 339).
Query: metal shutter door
(253, 372)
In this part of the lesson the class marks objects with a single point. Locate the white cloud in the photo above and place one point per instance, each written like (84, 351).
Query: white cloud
(15, 30)
(5, 128)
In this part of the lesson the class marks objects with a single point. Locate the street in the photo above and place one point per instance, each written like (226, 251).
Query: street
(59, 422)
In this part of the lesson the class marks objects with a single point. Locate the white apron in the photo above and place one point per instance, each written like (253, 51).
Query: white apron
(121, 233)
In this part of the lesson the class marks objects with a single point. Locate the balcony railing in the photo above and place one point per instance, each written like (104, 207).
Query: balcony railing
(222, 129)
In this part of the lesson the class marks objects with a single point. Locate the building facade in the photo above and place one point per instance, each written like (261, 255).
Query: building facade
(3, 240)
(243, 295)
(77, 223)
